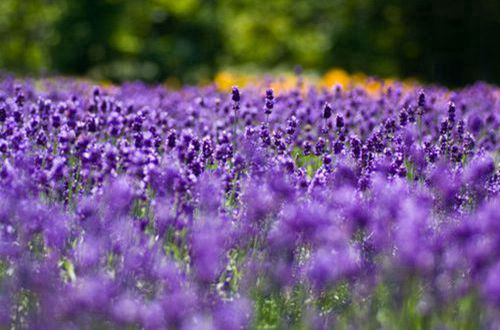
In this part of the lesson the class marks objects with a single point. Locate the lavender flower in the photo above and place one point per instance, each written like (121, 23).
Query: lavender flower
(143, 207)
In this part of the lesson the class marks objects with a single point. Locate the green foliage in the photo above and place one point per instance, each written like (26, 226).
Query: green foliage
(192, 39)
(311, 163)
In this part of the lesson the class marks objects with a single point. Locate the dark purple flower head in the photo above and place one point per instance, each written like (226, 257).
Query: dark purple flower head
(292, 125)
(421, 99)
(269, 104)
(451, 112)
(235, 94)
(3, 113)
(339, 121)
(20, 98)
(327, 111)
(403, 117)
(96, 92)
(320, 146)
(171, 139)
(269, 94)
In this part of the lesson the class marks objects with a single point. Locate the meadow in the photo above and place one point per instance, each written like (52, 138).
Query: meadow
(342, 206)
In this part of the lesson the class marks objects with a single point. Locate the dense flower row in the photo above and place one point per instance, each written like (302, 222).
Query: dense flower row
(151, 208)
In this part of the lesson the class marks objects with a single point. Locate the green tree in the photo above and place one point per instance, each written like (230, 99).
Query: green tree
(452, 42)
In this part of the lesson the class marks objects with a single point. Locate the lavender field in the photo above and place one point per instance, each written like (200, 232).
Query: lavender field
(340, 207)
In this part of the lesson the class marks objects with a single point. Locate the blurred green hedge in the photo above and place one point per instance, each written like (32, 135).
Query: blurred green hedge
(451, 42)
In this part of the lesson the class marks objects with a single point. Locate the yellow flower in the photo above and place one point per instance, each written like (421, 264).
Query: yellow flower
(336, 76)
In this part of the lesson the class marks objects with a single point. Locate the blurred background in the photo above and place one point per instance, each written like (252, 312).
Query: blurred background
(452, 42)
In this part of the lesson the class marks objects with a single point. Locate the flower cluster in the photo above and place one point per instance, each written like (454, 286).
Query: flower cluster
(143, 207)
